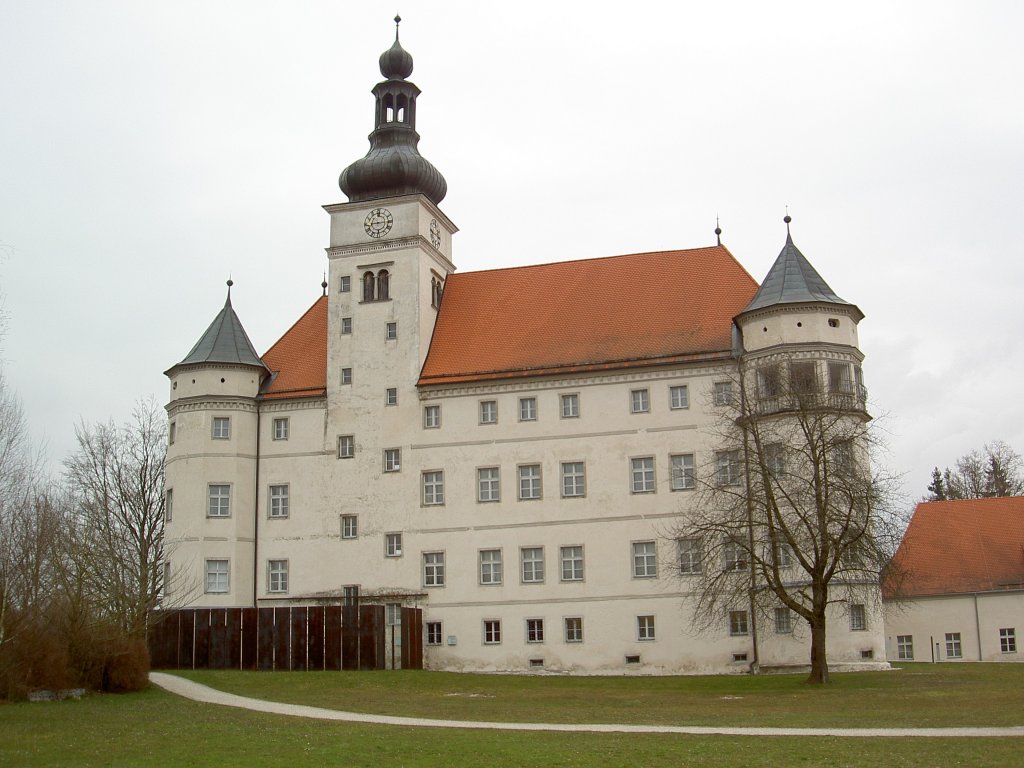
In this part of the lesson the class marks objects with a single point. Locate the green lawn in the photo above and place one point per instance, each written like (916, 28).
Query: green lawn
(156, 728)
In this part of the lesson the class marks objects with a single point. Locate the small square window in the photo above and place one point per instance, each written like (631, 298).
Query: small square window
(219, 498)
(217, 576)
(645, 560)
(639, 401)
(905, 647)
(433, 569)
(279, 501)
(679, 397)
(488, 484)
(682, 472)
(346, 325)
(535, 630)
(642, 471)
(281, 429)
(1008, 640)
(739, 623)
(346, 446)
(433, 488)
(572, 563)
(277, 576)
(529, 482)
(391, 396)
(783, 621)
(344, 284)
(528, 409)
(858, 619)
(488, 411)
(221, 428)
(490, 566)
(393, 544)
(434, 633)
(574, 483)
(431, 416)
(574, 629)
(645, 628)
(533, 564)
(349, 526)
(570, 406)
(492, 631)
(721, 393)
(391, 331)
(346, 376)
(392, 459)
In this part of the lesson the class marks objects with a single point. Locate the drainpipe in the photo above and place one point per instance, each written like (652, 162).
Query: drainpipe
(256, 510)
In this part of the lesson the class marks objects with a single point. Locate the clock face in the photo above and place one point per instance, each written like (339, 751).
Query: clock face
(435, 234)
(378, 222)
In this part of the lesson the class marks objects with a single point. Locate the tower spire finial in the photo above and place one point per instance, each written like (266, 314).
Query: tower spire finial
(718, 230)
(324, 284)
(398, 20)
(787, 218)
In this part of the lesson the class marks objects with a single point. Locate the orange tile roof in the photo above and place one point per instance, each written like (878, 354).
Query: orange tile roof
(953, 547)
(298, 360)
(594, 314)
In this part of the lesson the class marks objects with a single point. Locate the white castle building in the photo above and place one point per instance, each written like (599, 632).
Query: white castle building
(506, 449)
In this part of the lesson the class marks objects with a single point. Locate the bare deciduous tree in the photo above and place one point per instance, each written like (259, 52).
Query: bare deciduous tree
(995, 470)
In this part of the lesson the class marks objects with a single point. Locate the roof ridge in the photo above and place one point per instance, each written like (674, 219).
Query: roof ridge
(599, 258)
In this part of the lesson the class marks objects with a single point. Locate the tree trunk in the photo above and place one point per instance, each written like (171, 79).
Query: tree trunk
(819, 662)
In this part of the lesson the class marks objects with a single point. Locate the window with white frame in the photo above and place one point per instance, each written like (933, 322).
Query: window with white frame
(570, 406)
(775, 460)
(217, 576)
(644, 627)
(431, 417)
(391, 331)
(1008, 640)
(682, 472)
(346, 376)
(279, 507)
(645, 560)
(488, 484)
(535, 630)
(344, 284)
(734, 555)
(434, 633)
(488, 411)
(221, 428)
(529, 482)
(573, 479)
(573, 629)
(954, 650)
(727, 468)
(168, 505)
(346, 325)
(391, 396)
(532, 560)
(739, 623)
(840, 378)
(678, 397)
(350, 526)
(392, 459)
(393, 614)
(433, 569)
(572, 563)
(346, 446)
(689, 556)
(721, 393)
(639, 401)
(277, 576)
(393, 544)
(783, 621)
(642, 473)
(905, 647)
(783, 555)
(433, 487)
(281, 428)
(527, 408)
(492, 631)
(350, 594)
(219, 498)
(490, 566)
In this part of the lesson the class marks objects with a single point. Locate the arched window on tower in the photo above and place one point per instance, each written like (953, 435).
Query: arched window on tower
(368, 285)
(389, 108)
(402, 102)
(383, 285)
(435, 293)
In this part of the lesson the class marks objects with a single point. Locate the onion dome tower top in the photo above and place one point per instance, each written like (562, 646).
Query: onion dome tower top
(394, 165)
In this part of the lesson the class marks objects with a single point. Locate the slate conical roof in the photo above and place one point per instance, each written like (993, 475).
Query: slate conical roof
(225, 341)
(792, 280)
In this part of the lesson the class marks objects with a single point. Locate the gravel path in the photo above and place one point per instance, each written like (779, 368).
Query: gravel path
(207, 695)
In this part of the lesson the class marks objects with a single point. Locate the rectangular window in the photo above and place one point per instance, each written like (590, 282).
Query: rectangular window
(434, 633)
(572, 563)
(392, 459)
(217, 576)
(689, 556)
(279, 501)
(344, 284)
(281, 429)
(803, 378)
(535, 630)
(488, 484)
(1008, 640)
(644, 627)
(433, 488)
(840, 380)
(642, 471)
(349, 526)
(727, 468)
(533, 564)
(783, 621)
(433, 569)
(172, 430)
(431, 416)
(573, 479)
(492, 631)
(346, 325)
(219, 501)
(346, 446)
(488, 411)
(393, 614)
(490, 566)
(346, 375)
(682, 472)
(166, 582)
(721, 393)
(842, 458)
(953, 647)
(168, 505)
(350, 594)
(391, 396)
(393, 544)
(783, 555)
(678, 397)
(739, 623)
(769, 381)
(527, 408)
(639, 401)
(221, 428)
(574, 629)
(645, 560)
(775, 460)
(734, 556)
(529, 482)
(277, 576)
(391, 331)
(570, 406)
(905, 647)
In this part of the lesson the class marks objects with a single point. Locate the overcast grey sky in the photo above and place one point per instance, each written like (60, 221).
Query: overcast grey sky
(150, 149)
